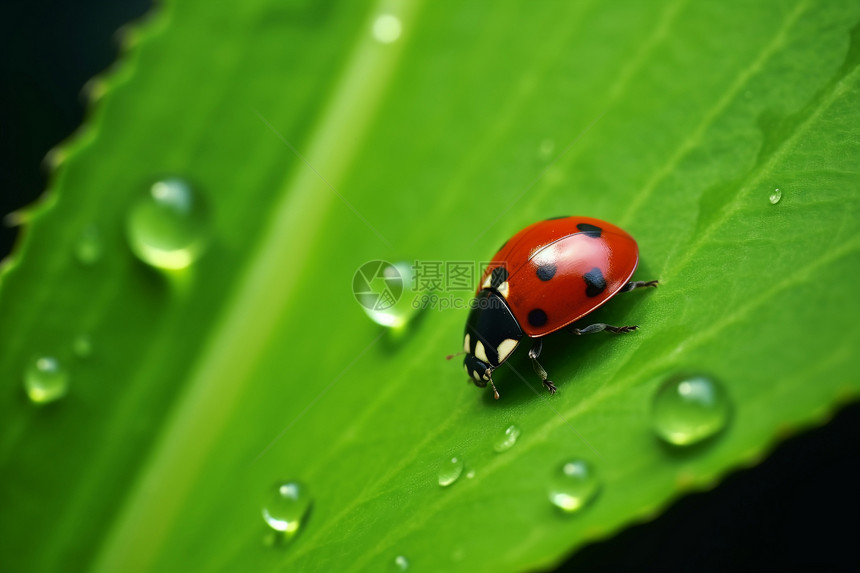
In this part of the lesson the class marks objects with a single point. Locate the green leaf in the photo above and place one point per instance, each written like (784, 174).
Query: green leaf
(319, 148)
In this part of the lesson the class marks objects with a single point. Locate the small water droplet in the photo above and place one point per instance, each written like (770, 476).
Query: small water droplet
(45, 380)
(507, 441)
(573, 486)
(89, 247)
(775, 197)
(401, 562)
(547, 146)
(450, 471)
(382, 289)
(470, 474)
(168, 227)
(287, 507)
(689, 409)
(82, 346)
(387, 28)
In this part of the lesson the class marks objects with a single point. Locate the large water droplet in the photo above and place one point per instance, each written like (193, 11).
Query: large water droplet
(45, 380)
(507, 441)
(89, 247)
(689, 409)
(401, 563)
(387, 28)
(573, 486)
(450, 471)
(775, 197)
(287, 507)
(168, 227)
(383, 290)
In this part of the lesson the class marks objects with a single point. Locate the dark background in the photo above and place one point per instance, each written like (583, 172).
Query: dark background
(797, 511)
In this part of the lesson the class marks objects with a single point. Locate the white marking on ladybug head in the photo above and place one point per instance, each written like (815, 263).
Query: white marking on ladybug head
(505, 348)
(466, 368)
(480, 353)
(503, 289)
(466, 345)
(475, 376)
(489, 282)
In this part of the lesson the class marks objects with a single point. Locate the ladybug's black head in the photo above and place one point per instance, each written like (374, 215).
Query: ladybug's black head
(479, 370)
(492, 334)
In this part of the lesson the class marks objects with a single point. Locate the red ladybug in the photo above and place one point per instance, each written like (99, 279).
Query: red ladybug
(548, 275)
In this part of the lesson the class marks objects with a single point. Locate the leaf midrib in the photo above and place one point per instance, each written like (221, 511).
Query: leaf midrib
(236, 341)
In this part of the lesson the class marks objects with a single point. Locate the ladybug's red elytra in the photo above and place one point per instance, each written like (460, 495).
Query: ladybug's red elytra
(545, 277)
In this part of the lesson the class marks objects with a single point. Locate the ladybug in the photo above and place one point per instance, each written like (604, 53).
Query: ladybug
(544, 278)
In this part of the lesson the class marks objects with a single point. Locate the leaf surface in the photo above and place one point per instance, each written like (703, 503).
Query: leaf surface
(319, 148)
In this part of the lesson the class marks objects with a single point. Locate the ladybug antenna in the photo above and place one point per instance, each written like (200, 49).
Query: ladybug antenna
(495, 392)
(450, 356)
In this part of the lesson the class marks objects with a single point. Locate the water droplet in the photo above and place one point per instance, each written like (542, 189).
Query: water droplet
(45, 380)
(387, 29)
(450, 471)
(547, 146)
(507, 441)
(89, 247)
(168, 227)
(287, 507)
(775, 197)
(689, 409)
(470, 474)
(401, 562)
(82, 346)
(382, 289)
(573, 486)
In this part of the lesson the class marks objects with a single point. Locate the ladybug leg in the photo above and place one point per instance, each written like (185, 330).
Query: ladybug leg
(638, 284)
(600, 327)
(534, 352)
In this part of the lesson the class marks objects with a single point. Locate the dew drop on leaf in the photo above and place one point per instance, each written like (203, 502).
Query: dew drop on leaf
(689, 409)
(383, 291)
(508, 439)
(450, 471)
(573, 486)
(89, 246)
(401, 563)
(168, 227)
(775, 197)
(287, 507)
(45, 380)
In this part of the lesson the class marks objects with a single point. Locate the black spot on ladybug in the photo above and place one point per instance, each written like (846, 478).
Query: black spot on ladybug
(537, 317)
(590, 230)
(499, 275)
(546, 272)
(554, 218)
(594, 282)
